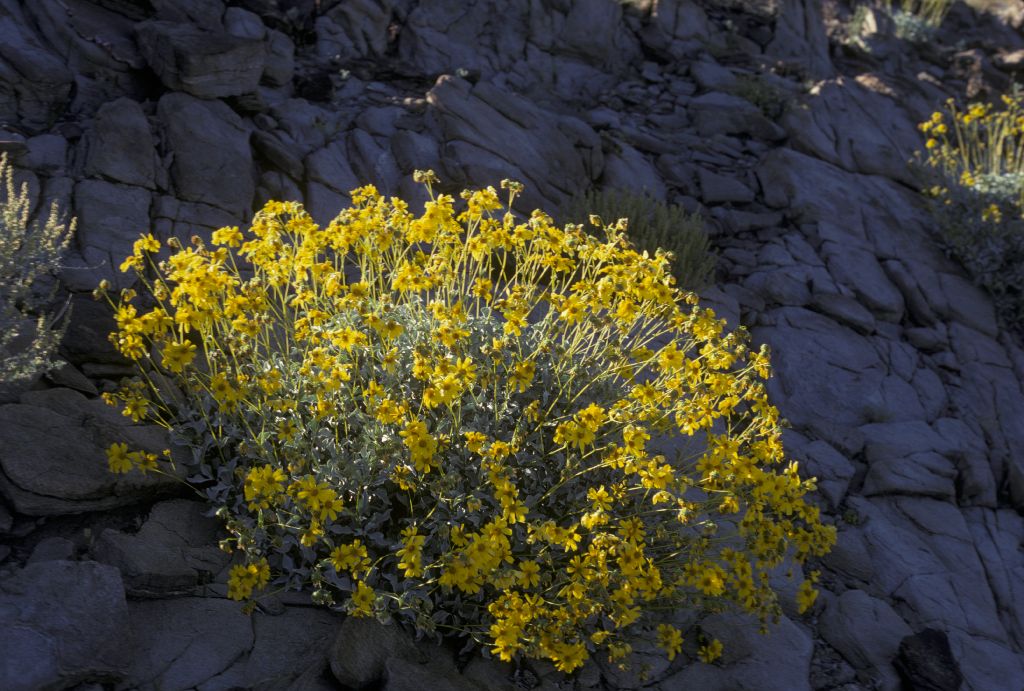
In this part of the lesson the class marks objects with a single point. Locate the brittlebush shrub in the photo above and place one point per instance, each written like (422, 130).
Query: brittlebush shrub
(653, 226)
(28, 251)
(378, 420)
(974, 163)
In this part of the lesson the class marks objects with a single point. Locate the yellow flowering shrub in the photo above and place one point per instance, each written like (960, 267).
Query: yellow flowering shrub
(974, 162)
(546, 462)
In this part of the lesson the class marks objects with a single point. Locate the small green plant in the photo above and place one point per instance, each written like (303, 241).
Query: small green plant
(379, 420)
(770, 99)
(653, 226)
(917, 20)
(974, 162)
(27, 252)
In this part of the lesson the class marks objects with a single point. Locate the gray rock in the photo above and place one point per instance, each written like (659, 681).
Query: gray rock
(854, 127)
(362, 649)
(719, 113)
(676, 27)
(330, 167)
(372, 163)
(983, 662)
(53, 549)
(488, 129)
(800, 36)
(207, 64)
(628, 169)
(323, 203)
(54, 462)
(46, 153)
(212, 160)
(277, 153)
(968, 304)
(280, 66)
(924, 558)
(62, 623)
(720, 189)
(403, 675)
(779, 661)
(175, 218)
(35, 84)
(820, 460)
(207, 13)
(846, 310)
(285, 647)
(120, 145)
(821, 366)
(711, 76)
(181, 643)
(925, 474)
(931, 391)
(175, 550)
(997, 534)
(242, 23)
(110, 218)
(860, 271)
(867, 632)
(353, 29)
(779, 287)
(886, 440)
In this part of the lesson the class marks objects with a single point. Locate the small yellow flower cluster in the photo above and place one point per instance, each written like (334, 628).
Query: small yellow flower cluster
(981, 150)
(245, 578)
(471, 414)
(121, 460)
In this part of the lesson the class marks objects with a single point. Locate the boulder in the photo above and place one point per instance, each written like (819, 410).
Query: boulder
(866, 631)
(120, 146)
(174, 551)
(62, 623)
(184, 642)
(206, 64)
(212, 160)
(53, 459)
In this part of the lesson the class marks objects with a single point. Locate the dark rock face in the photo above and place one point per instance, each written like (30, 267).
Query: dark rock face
(61, 623)
(203, 63)
(925, 662)
(904, 394)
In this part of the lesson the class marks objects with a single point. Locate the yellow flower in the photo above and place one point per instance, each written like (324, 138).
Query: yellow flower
(352, 557)
(178, 354)
(806, 596)
(711, 651)
(118, 459)
(670, 640)
(362, 600)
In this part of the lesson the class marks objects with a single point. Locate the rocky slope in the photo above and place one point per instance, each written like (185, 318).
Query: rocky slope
(905, 397)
